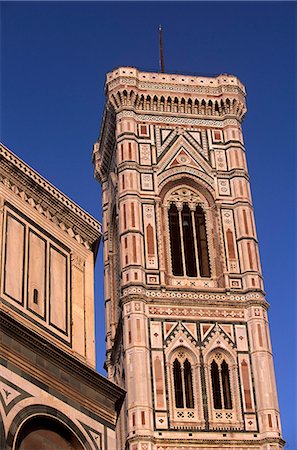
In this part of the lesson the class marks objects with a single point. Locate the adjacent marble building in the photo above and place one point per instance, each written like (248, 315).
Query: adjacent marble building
(186, 315)
(51, 396)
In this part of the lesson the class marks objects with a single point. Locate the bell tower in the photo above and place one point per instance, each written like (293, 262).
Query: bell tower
(186, 317)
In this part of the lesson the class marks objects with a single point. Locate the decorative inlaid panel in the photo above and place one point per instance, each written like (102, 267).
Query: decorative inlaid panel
(220, 158)
(195, 312)
(156, 335)
(145, 154)
(149, 226)
(241, 337)
(161, 420)
(230, 240)
(224, 187)
(146, 180)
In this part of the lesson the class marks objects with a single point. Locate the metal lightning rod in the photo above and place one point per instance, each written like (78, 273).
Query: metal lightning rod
(161, 50)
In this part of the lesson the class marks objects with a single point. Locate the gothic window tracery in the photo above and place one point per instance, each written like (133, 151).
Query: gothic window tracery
(221, 388)
(188, 236)
(183, 384)
(185, 389)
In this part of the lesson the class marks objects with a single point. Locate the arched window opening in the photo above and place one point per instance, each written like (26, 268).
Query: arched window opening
(148, 102)
(178, 387)
(188, 384)
(169, 104)
(203, 256)
(226, 385)
(175, 105)
(188, 241)
(125, 96)
(175, 241)
(228, 104)
(216, 388)
(183, 105)
(46, 433)
(196, 106)
(188, 236)
(203, 106)
(221, 388)
(189, 106)
(183, 384)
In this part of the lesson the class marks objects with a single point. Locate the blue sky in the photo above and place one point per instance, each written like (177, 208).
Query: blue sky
(54, 59)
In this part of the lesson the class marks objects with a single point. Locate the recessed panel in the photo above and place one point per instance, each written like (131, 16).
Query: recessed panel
(58, 289)
(14, 259)
(36, 274)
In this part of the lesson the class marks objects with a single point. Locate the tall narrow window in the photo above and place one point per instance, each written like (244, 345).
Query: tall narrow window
(202, 243)
(221, 387)
(188, 384)
(178, 387)
(216, 389)
(175, 241)
(188, 236)
(183, 388)
(226, 385)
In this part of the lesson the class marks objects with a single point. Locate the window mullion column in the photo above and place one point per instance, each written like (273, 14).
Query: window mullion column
(195, 241)
(183, 385)
(221, 387)
(179, 208)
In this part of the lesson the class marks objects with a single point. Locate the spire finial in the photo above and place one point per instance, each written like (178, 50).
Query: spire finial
(161, 50)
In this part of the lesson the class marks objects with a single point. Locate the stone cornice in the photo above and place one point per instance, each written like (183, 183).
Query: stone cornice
(191, 299)
(174, 82)
(194, 295)
(177, 118)
(34, 189)
(191, 444)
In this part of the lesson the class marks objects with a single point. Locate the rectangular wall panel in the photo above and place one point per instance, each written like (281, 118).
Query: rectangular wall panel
(230, 240)
(159, 380)
(151, 256)
(58, 289)
(36, 274)
(14, 259)
(246, 383)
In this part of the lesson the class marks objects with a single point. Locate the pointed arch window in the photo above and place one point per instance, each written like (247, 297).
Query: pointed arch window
(188, 241)
(178, 387)
(183, 384)
(188, 384)
(221, 388)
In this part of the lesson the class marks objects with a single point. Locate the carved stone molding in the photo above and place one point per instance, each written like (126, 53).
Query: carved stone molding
(166, 119)
(77, 262)
(46, 199)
